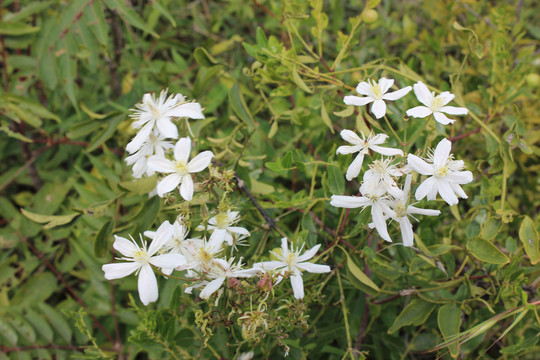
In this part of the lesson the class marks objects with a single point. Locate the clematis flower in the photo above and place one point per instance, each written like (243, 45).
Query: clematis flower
(362, 146)
(176, 243)
(221, 227)
(291, 261)
(382, 172)
(140, 258)
(376, 93)
(435, 105)
(376, 198)
(154, 145)
(156, 114)
(180, 170)
(222, 270)
(446, 175)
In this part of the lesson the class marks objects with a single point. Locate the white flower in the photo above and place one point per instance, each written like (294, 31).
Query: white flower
(200, 254)
(157, 114)
(221, 227)
(180, 170)
(382, 172)
(176, 242)
(374, 197)
(140, 260)
(154, 145)
(434, 105)
(291, 261)
(362, 146)
(222, 270)
(376, 93)
(445, 175)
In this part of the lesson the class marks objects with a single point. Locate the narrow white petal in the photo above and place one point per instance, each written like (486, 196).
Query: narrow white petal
(211, 287)
(379, 221)
(161, 237)
(200, 162)
(297, 286)
(308, 254)
(378, 109)
(459, 191)
(186, 189)
(385, 84)
(345, 149)
(377, 139)
(393, 96)
(314, 268)
(407, 233)
(349, 202)
(356, 100)
(284, 247)
(443, 119)
(168, 261)
(407, 186)
(124, 246)
(169, 183)
(423, 94)
(161, 165)
(419, 165)
(442, 152)
(351, 137)
(166, 128)
(363, 88)
(452, 110)
(238, 230)
(429, 212)
(460, 177)
(191, 110)
(356, 166)
(425, 188)
(386, 151)
(182, 150)
(447, 193)
(270, 265)
(419, 112)
(148, 289)
(446, 97)
(218, 235)
(432, 195)
(119, 270)
(143, 135)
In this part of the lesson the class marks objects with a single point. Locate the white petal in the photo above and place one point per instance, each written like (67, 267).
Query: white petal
(119, 270)
(447, 193)
(397, 94)
(211, 287)
(270, 265)
(425, 188)
(351, 137)
(379, 221)
(169, 183)
(452, 110)
(161, 165)
(308, 254)
(363, 88)
(442, 152)
(378, 109)
(407, 233)
(356, 100)
(441, 118)
(345, 149)
(459, 191)
(356, 166)
(182, 150)
(297, 286)
(191, 110)
(167, 128)
(238, 230)
(124, 246)
(419, 165)
(423, 94)
(284, 247)
(200, 162)
(460, 177)
(349, 202)
(148, 289)
(143, 135)
(377, 139)
(429, 212)
(161, 237)
(314, 268)
(386, 151)
(446, 97)
(419, 112)
(385, 84)
(186, 189)
(218, 235)
(168, 261)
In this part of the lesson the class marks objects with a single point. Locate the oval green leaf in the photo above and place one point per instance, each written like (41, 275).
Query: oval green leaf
(530, 240)
(485, 251)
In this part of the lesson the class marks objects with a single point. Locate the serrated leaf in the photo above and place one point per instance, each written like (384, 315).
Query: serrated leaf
(485, 251)
(416, 313)
(238, 104)
(530, 239)
(50, 221)
(449, 320)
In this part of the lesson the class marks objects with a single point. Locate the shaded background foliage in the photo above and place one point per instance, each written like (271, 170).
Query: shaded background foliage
(273, 102)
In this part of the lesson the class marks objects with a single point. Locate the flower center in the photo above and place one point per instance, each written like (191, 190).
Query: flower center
(291, 260)
(440, 172)
(154, 110)
(400, 210)
(181, 168)
(437, 103)
(141, 256)
(222, 220)
(376, 90)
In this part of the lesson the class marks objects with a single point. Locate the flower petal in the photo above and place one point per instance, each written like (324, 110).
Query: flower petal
(379, 108)
(356, 166)
(379, 221)
(377, 139)
(442, 152)
(349, 202)
(147, 284)
(190, 110)
(218, 235)
(459, 191)
(182, 150)
(419, 112)
(386, 151)
(314, 268)
(160, 164)
(238, 230)
(200, 162)
(161, 237)
(447, 193)
(345, 149)
(143, 134)
(211, 287)
(186, 188)
(363, 88)
(393, 96)
(385, 84)
(460, 177)
(425, 188)
(308, 254)
(419, 165)
(356, 100)
(429, 212)
(351, 137)
(168, 261)
(443, 119)
(453, 110)
(169, 183)
(124, 246)
(297, 286)
(423, 94)
(270, 265)
(407, 233)
(446, 97)
(167, 128)
(119, 270)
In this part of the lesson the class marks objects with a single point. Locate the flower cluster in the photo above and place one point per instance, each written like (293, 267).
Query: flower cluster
(379, 186)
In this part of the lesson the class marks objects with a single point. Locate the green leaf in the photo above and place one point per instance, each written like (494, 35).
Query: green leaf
(325, 117)
(490, 228)
(416, 313)
(23, 327)
(530, 240)
(129, 15)
(449, 320)
(143, 185)
(39, 323)
(7, 332)
(107, 133)
(367, 285)
(101, 243)
(164, 12)
(239, 106)
(146, 216)
(50, 221)
(203, 58)
(336, 180)
(298, 81)
(485, 251)
(27, 11)
(16, 29)
(348, 111)
(57, 320)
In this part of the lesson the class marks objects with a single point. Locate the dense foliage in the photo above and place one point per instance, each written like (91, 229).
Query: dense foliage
(272, 97)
